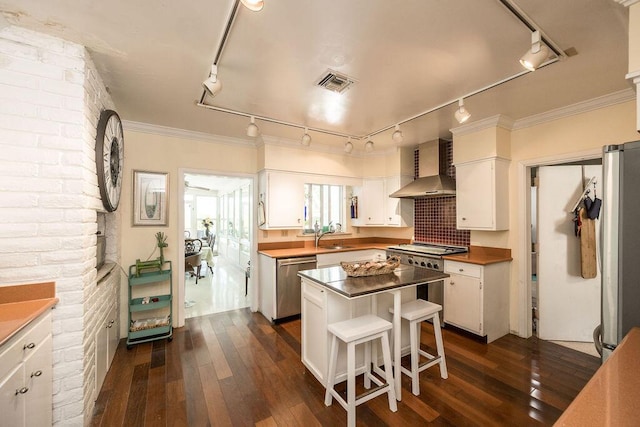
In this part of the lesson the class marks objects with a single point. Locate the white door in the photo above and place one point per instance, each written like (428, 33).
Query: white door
(568, 305)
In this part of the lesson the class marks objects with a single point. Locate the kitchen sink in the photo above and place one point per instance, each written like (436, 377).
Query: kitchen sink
(336, 247)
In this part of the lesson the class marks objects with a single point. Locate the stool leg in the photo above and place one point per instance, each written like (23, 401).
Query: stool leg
(388, 368)
(331, 375)
(351, 384)
(414, 332)
(367, 365)
(440, 347)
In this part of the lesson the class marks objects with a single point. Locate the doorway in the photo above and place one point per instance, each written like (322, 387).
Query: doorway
(551, 263)
(216, 210)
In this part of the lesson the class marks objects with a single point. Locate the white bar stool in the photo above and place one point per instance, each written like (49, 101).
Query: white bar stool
(416, 312)
(356, 331)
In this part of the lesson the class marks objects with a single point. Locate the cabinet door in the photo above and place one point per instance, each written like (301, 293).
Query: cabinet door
(314, 330)
(113, 329)
(394, 206)
(39, 376)
(285, 201)
(463, 302)
(475, 195)
(373, 202)
(12, 404)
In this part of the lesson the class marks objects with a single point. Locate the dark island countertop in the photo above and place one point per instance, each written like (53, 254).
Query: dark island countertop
(336, 280)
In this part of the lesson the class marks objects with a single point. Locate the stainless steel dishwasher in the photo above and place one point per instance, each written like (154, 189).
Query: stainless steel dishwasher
(288, 287)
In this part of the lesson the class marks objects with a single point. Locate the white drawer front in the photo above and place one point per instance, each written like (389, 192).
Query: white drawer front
(24, 343)
(463, 269)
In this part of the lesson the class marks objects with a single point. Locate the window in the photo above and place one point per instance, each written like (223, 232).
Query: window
(323, 205)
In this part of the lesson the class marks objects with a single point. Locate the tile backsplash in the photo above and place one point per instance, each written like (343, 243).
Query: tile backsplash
(435, 218)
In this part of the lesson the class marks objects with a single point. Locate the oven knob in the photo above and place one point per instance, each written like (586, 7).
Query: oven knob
(422, 264)
(436, 266)
(410, 261)
(429, 265)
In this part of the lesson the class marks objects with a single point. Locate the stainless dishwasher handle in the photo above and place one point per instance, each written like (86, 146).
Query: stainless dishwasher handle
(295, 261)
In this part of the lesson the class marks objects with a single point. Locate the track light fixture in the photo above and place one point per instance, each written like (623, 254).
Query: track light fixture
(397, 134)
(348, 146)
(461, 114)
(306, 138)
(368, 146)
(252, 129)
(253, 5)
(212, 85)
(535, 56)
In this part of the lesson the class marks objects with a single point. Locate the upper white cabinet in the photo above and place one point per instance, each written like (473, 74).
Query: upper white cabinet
(282, 197)
(482, 190)
(376, 208)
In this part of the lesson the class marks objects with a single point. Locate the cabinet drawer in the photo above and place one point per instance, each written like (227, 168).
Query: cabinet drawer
(463, 269)
(24, 343)
(313, 293)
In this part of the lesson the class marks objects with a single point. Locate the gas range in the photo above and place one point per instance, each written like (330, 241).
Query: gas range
(424, 255)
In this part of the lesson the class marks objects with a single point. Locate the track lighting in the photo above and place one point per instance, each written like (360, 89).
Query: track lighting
(212, 85)
(306, 138)
(397, 135)
(461, 114)
(252, 129)
(535, 56)
(253, 5)
(348, 146)
(368, 146)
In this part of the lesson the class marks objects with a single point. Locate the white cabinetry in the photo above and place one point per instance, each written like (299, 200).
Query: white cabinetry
(376, 208)
(482, 194)
(476, 298)
(267, 285)
(106, 344)
(282, 197)
(26, 376)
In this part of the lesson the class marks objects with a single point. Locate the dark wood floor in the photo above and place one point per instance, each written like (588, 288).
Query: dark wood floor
(235, 369)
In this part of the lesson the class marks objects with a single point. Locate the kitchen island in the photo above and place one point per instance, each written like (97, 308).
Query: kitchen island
(329, 295)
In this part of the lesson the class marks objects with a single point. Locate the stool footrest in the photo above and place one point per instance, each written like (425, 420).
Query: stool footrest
(363, 397)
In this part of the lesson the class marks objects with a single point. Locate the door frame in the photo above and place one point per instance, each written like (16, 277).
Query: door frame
(253, 291)
(524, 326)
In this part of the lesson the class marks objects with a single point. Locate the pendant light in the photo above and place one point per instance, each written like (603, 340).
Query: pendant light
(252, 129)
(461, 114)
(535, 56)
(212, 85)
(306, 138)
(348, 146)
(253, 5)
(368, 146)
(397, 135)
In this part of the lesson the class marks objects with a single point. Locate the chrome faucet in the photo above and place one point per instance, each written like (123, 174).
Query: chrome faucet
(319, 233)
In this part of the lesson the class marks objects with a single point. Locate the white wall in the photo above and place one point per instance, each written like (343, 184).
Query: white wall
(50, 98)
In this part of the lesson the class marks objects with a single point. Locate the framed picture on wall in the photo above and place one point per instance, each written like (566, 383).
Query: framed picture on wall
(150, 198)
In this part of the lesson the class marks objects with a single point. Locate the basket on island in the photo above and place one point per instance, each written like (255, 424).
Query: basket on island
(370, 268)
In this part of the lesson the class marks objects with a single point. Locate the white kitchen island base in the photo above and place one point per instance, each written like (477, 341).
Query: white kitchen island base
(328, 296)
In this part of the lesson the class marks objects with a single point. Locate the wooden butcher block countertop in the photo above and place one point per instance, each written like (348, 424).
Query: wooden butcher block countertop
(272, 250)
(21, 304)
(482, 255)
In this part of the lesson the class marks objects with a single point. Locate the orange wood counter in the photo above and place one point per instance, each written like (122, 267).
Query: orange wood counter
(612, 395)
(20, 304)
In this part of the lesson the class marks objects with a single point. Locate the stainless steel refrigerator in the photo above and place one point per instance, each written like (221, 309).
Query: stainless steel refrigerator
(620, 249)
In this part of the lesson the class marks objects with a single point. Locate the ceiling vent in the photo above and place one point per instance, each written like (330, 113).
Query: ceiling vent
(335, 82)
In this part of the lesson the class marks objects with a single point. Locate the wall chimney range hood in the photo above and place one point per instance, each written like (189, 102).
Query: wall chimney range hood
(431, 182)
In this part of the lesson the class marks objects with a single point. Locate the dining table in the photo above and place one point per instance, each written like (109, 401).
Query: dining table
(336, 280)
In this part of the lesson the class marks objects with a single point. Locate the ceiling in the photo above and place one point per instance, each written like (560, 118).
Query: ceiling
(407, 58)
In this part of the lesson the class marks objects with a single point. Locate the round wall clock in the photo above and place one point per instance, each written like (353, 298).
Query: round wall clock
(110, 158)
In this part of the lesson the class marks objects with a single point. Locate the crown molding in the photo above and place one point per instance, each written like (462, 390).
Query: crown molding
(184, 134)
(626, 3)
(578, 108)
(490, 122)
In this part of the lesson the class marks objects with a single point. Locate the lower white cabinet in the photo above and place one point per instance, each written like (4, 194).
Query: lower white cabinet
(26, 375)
(106, 344)
(476, 298)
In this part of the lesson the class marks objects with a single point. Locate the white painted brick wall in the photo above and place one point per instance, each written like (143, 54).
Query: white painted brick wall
(50, 100)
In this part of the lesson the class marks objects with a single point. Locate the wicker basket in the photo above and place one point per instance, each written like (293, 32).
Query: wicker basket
(370, 268)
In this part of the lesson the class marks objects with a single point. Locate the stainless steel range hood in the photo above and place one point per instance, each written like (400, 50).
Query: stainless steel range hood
(431, 182)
